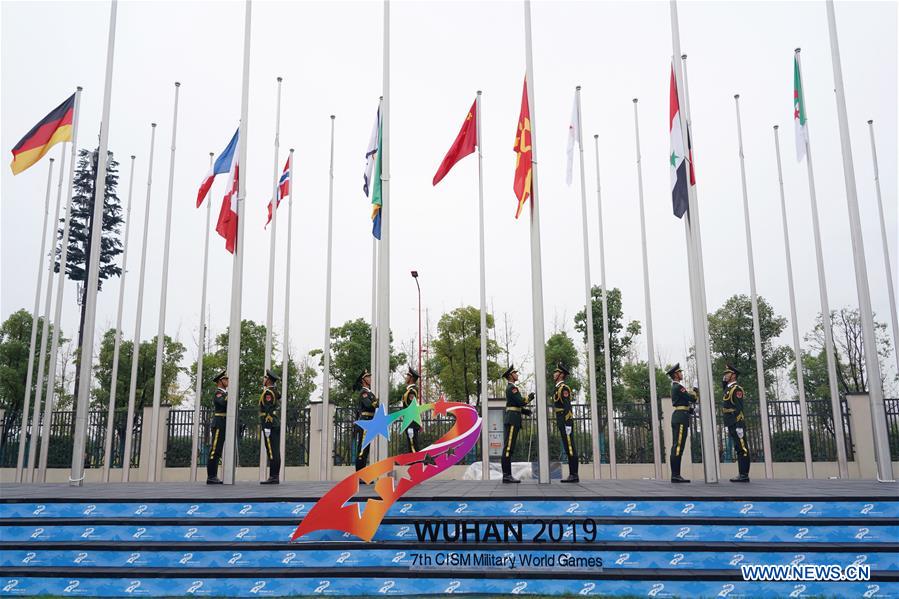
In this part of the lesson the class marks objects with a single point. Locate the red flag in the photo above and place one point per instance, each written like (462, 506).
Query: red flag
(227, 221)
(522, 183)
(464, 145)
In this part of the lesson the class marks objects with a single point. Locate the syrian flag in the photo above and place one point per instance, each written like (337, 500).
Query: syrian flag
(283, 189)
(573, 129)
(799, 111)
(679, 158)
(221, 166)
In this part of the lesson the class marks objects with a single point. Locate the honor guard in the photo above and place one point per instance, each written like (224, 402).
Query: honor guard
(217, 432)
(565, 421)
(270, 420)
(684, 402)
(516, 405)
(365, 410)
(732, 407)
(410, 395)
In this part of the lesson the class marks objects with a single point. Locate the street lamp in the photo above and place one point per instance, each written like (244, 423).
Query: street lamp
(415, 276)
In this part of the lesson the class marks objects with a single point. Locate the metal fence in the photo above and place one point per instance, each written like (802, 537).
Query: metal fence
(891, 406)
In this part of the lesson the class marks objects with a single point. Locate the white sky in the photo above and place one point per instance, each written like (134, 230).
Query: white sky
(329, 54)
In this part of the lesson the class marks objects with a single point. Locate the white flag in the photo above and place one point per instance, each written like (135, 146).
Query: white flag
(370, 153)
(573, 129)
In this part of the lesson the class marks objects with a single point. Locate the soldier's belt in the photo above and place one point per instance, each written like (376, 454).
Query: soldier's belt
(367, 413)
(223, 414)
(728, 410)
(513, 409)
(681, 408)
(557, 410)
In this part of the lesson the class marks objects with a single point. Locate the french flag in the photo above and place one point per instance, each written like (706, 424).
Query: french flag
(283, 189)
(221, 166)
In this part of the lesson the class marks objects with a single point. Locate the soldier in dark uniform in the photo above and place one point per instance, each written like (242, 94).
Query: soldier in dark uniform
(217, 431)
(270, 421)
(410, 395)
(365, 410)
(684, 402)
(732, 407)
(565, 421)
(516, 406)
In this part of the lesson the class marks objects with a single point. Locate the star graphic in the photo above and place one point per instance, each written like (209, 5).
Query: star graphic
(674, 158)
(451, 451)
(378, 425)
(412, 413)
(441, 406)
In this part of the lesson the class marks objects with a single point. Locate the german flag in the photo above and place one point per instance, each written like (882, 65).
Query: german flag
(53, 128)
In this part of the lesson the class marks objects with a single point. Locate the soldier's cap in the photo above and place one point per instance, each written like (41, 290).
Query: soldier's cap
(731, 369)
(674, 369)
(358, 384)
(561, 368)
(413, 373)
(222, 375)
(509, 371)
(272, 376)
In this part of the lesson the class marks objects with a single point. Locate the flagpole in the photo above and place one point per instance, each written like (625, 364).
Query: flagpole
(797, 349)
(650, 346)
(485, 410)
(886, 248)
(285, 357)
(324, 465)
(826, 322)
(270, 307)
(872, 363)
(700, 311)
(135, 346)
(23, 430)
(234, 329)
(756, 329)
(536, 268)
(201, 348)
(110, 413)
(163, 298)
(86, 351)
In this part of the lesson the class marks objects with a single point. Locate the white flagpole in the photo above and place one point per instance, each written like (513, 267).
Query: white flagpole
(270, 307)
(756, 328)
(826, 322)
(872, 363)
(324, 465)
(135, 347)
(229, 466)
(650, 346)
(797, 349)
(536, 269)
(700, 311)
(482, 281)
(610, 411)
(886, 248)
(110, 413)
(163, 298)
(284, 354)
(201, 349)
(86, 353)
(588, 291)
(23, 430)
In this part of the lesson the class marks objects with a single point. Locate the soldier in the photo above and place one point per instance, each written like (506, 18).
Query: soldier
(684, 402)
(410, 395)
(732, 406)
(217, 432)
(270, 420)
(365, 410)
(516, 405)
(565, 421)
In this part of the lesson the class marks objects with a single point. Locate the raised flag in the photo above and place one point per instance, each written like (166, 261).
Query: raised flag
(283, 190)
(465, 144)
(370, 152)
(221, 165)
(52, 129)
(522, 183)
(678, 159)
(799, 111)
(371, 183)
(573, 129)
(226, 226)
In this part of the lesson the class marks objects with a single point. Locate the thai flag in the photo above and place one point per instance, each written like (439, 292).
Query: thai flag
(283, 189)
(221, 165)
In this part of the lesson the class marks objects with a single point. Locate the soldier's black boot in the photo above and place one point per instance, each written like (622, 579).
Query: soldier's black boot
(508, 478)
(572, 472)
(675, 471)
(507, 471)
(271, 480)
(214, 480)
(743, 477)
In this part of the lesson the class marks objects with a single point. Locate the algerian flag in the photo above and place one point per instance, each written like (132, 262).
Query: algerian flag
(573, 129)
(799, 111)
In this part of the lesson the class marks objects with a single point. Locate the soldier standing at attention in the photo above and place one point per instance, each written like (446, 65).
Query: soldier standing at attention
(516, 405)
(410, 395)
(684, 402)
(217, 432)
(269, 416)
(365, 410)
(732, 407)
(565, 421)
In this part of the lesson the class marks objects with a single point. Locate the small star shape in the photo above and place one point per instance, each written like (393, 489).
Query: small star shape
(378, 425)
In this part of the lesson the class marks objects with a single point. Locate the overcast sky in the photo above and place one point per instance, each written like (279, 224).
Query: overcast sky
(329, 54)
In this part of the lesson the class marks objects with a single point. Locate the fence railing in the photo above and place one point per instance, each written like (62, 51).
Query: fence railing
(891, 406)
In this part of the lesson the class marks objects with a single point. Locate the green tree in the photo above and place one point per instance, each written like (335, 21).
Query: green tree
(457, 354)
(621, 341)
(560, 348)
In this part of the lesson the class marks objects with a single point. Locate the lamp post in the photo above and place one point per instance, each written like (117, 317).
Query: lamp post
(415, 276)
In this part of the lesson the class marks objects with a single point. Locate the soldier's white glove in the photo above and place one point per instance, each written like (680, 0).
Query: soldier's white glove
(410, 432)
(568, 430)
(267, 432)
